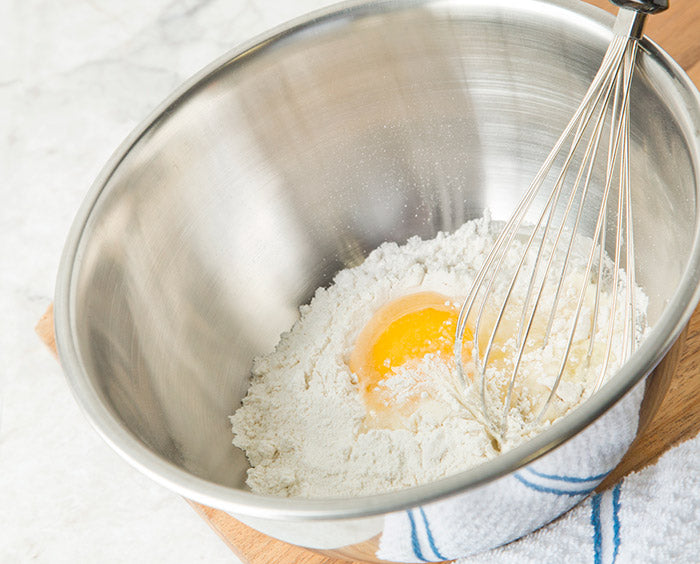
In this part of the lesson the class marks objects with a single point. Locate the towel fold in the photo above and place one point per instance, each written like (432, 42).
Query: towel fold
(516, 504)
(651, 516)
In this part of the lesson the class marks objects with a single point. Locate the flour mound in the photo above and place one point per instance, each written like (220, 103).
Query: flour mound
(303, 421)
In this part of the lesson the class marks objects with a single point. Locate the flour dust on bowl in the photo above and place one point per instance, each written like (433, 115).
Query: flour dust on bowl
(292, 159)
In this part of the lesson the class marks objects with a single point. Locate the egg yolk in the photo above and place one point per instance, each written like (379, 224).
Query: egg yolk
(402, 333)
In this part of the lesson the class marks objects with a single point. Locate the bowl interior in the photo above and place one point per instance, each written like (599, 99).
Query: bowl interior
(295, 158)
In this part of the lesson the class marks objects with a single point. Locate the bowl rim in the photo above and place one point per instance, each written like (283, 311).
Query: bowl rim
(658, 342)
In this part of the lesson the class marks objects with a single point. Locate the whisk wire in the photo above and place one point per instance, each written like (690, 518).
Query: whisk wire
(586, 167)
(510, 229)
(608, 94)
(589, 158)
(629, 261)
(621, 139)
(617, 138)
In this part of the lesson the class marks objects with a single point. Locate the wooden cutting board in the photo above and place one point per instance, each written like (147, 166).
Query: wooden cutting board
(678, 418)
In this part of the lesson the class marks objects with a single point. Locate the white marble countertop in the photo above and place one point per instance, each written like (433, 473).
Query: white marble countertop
(75, 78)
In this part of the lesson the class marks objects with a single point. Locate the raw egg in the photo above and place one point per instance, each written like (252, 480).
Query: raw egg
(400, 334)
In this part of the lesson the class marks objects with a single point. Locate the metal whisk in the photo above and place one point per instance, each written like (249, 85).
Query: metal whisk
(546, 231)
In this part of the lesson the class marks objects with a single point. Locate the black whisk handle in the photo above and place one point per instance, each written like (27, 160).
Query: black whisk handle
(644, 6)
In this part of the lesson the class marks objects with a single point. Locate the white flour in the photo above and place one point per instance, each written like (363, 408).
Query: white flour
(302, 424)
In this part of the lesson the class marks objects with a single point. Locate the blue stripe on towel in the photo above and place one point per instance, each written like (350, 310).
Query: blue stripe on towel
(597, 536)
(616, 519)
(556, 491)
(572, 479)
(414, 538)
(431, 540)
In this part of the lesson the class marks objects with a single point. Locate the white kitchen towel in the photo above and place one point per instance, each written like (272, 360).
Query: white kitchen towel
(516, 504)
(652, 516)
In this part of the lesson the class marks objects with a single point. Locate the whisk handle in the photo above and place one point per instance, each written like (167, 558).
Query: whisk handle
(644, 6)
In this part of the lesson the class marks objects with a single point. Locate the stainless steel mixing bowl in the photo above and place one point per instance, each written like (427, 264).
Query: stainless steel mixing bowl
(292, 158)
